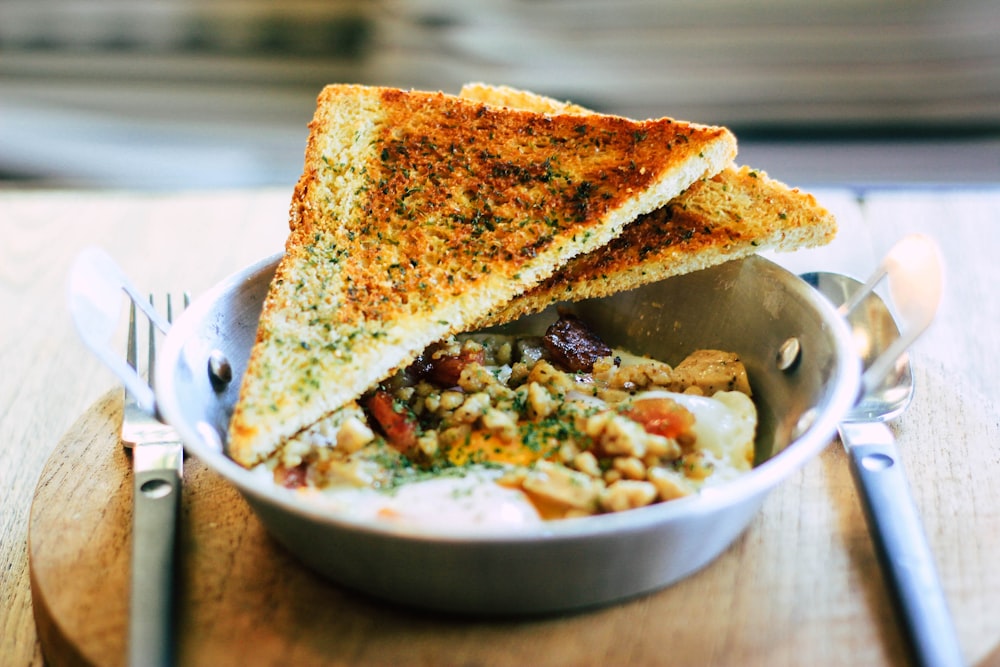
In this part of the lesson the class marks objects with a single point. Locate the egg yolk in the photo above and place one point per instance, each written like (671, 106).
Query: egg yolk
(486, 447)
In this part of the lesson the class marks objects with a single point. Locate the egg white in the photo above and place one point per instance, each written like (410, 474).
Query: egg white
(725, 426)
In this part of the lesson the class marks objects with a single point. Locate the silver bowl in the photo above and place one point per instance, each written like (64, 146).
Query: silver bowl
(804, 375)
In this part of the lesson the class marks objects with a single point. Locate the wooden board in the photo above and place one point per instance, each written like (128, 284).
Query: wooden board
(801, 582)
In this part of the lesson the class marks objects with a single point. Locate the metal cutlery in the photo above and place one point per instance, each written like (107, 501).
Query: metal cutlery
(96, 287)
(915, 277)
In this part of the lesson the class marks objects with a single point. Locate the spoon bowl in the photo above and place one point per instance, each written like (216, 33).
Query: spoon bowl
(873, 329)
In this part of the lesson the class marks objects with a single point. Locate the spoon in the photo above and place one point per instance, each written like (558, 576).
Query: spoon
(914, 272)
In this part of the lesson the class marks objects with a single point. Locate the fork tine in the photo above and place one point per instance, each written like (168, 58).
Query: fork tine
(151, 373)
(186, 301)
(132, 346)
(151, 360)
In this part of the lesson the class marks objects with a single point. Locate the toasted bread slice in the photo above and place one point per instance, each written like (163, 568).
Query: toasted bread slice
(506, 96)
(419, 213)
(735, 213)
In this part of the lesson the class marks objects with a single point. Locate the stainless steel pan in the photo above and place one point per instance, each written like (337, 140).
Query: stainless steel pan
(803, 371)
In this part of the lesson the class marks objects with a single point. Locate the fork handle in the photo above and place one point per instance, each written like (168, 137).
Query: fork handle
(154, 530)
(900, 544)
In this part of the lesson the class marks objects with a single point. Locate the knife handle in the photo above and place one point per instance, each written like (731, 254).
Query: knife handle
(154, 531)
(900, 544)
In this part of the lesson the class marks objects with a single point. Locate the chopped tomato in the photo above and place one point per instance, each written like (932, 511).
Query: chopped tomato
(398, 426)
(661, 416)
(291, 478)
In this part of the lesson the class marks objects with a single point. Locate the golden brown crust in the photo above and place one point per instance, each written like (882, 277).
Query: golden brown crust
(734, 214)
(519, 99)
(505, 205)
(419, 213)
(738, 212)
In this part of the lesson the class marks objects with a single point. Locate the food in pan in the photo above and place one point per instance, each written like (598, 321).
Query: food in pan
(422, 216)
(490, 428)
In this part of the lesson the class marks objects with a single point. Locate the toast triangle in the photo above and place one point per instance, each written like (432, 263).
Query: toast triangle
(417, 215)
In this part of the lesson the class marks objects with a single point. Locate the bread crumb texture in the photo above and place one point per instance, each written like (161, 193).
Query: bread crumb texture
(735, 213)
(419, 213)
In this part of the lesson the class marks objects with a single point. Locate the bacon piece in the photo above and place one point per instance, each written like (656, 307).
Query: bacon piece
(572, 344)
(445, 369)
(398, 426)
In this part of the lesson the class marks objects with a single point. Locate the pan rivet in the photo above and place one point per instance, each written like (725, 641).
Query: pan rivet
(789, 353)
(219, 370)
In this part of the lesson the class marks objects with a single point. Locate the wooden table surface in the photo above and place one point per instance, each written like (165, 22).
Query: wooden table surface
(800, 587)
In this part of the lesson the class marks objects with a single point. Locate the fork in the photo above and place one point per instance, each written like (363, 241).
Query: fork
(95, 288)
(157, 464)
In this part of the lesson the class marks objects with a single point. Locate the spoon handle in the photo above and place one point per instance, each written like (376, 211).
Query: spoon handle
(900, 543)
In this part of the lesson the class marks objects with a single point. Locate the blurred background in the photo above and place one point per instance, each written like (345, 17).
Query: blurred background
(167, 94)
